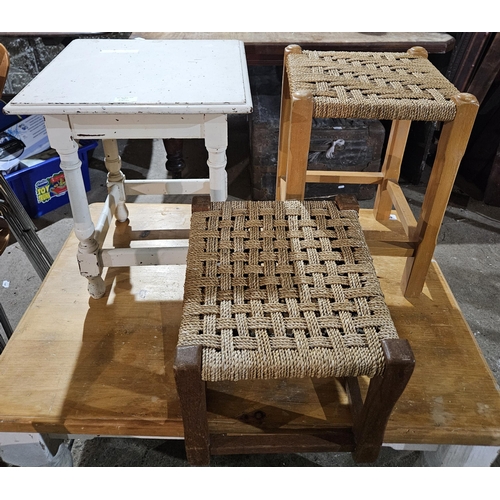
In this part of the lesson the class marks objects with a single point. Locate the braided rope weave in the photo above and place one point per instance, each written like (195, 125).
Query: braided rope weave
(280, 290)
(372, 85)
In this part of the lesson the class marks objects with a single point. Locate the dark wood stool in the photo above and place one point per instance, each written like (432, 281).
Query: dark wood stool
(281, 290)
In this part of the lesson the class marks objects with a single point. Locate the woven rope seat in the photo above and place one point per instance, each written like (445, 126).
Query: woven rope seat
(282, 290)
(372, 85)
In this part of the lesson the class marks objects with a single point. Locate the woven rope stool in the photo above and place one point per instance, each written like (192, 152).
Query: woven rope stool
(283, 290)
(402, 87)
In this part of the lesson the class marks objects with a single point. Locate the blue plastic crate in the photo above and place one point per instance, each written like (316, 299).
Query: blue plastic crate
(42, 188)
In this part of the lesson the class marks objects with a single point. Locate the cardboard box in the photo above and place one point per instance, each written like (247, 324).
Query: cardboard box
(24, 139)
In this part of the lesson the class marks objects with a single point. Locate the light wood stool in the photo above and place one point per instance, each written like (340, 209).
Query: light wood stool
(402, 87)
(284, 290)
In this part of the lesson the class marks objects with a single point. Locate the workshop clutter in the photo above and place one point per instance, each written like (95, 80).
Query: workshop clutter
(32, 169)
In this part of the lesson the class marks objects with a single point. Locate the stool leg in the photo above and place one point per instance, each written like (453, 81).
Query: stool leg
(371, 419)
(192, 395)
(200, 203)
(284, 128)
(216, 145)
(61, 139)
(451, 148)
(175, 160)
(301, 115)
(391, 167)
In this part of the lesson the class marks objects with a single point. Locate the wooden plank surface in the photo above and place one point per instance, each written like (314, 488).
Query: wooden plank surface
(268, 48)
(84, 366)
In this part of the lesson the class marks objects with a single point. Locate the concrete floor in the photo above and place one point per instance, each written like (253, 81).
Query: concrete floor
(468, 253)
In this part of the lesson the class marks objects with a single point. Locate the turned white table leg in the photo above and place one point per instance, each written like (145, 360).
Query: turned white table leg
(216, 144)
(59, 134)
(116, 177)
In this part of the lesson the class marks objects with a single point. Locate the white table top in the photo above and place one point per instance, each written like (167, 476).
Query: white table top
(140, 76)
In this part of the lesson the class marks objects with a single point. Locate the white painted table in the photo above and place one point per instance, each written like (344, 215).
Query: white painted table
(136, 89)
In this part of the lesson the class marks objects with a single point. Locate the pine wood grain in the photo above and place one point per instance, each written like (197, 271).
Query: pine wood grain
(84, 366)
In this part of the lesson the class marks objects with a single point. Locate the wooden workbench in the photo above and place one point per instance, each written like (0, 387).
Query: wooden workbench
(268, 48)
(76, 365)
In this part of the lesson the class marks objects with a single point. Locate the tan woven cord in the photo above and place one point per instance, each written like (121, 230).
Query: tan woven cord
(372, 85)
(280, 290)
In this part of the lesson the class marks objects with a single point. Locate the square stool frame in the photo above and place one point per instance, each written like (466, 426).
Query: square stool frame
(408, 237)
(224, 302)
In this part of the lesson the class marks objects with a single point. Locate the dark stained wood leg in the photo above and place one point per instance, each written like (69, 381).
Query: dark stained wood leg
(200, 203)
(371, 419)
(175, 160)
(192, 395)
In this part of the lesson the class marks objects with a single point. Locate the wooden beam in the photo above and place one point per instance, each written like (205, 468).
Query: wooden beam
(344, 177)
(403, 210)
